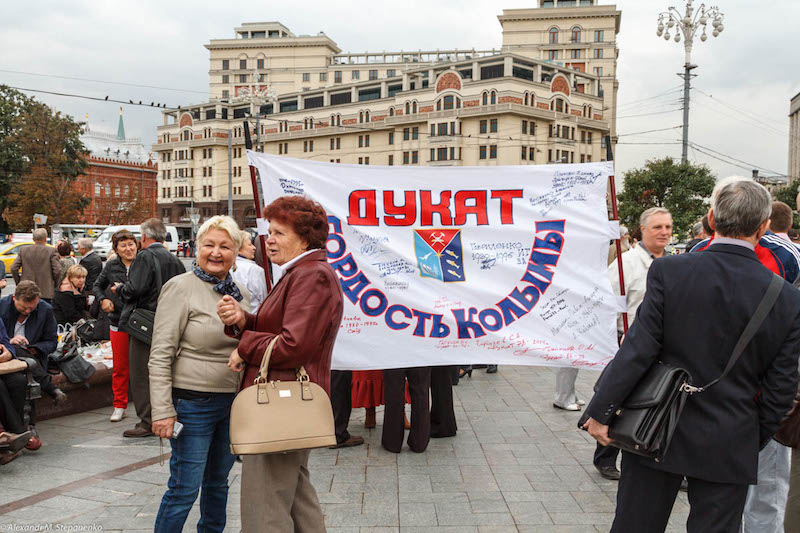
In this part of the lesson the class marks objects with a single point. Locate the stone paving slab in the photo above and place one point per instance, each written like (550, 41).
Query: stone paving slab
(516, 465)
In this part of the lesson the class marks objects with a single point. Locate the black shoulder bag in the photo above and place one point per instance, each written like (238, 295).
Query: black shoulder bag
(142, 321)
(645, 423)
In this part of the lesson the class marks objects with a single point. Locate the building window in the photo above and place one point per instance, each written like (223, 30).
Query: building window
(355, 74)
(484, 124)
(323, 76)
(531, 152)
(408, 108)
(226, 64)
(598, 36)
(331, 143)
(97, 189)
(493, 125)
(360, 160)
(553, 35)
(366, 116)
(552, 55)
(414, 133)
(482, 152)
(598, 71)
(493, 98)
(360, 117)
(413, 107)
(242, 64)
(260, 63)
(337, 76)
(589, 137)
(575, 54)
(361, 141)
(391, 161)
(493, 151)
(524, 153)
(485, 99)
(306, 76)
(390, 73)
(598, 53)
(366, 160)
(225, 94)
(406, 134)
(524, 127)
(391, 111)
(366, 141)
(414, 157)
(391, 137)
(338, 143)
(242, 78)
(405, 158)
(373, 74)
(576, 34)
(225, 78)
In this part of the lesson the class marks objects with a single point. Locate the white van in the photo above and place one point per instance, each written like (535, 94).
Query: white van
(102, 245)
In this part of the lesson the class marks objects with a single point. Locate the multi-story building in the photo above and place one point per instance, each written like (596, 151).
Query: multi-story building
(122, 178)
(516, 105)
(794, 138)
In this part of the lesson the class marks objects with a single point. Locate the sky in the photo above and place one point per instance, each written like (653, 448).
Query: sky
(745, 77)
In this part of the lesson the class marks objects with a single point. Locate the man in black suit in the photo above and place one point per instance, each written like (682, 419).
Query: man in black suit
(90, 261)
(695, 308)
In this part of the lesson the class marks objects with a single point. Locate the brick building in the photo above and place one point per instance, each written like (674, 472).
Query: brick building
(121, 181)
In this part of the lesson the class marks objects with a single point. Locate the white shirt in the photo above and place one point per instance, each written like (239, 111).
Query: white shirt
(19, 328)
(251, 276)
(635, 264)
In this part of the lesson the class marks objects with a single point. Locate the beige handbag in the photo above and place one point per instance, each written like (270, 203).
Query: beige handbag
(280, 416)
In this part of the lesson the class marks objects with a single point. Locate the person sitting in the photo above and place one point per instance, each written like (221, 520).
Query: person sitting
(31, 320)
(69, 301)
(12, 405)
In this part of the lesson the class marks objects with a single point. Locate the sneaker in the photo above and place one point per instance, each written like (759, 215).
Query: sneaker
(118, 414)
(59, 396)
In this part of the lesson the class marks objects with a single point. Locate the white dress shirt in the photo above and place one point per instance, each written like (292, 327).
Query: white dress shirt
(635, 264)
(251, 276)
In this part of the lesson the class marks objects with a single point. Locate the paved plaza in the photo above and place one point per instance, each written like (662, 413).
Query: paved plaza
(516, 465)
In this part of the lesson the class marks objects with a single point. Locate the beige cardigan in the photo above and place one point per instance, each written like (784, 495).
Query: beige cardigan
(190, 349)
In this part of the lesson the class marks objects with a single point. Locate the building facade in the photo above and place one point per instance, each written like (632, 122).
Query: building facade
(794, 139)
(122, 178)
(512, 106)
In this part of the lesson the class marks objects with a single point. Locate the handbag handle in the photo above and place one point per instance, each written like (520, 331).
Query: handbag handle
(763, 309)
(302, 375)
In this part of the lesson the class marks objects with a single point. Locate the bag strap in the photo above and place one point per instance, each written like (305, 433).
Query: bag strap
(159, 279)
(763, 309)
(264, 370)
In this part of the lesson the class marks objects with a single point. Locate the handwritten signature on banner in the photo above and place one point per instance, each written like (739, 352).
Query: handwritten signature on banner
(292, 186)
(577, 318)
(562, 191)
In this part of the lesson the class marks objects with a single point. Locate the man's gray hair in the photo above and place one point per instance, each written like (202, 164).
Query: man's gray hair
(740, 206)
(697, 228)
(85, 242)
(645, 217)
(39, 235)
(153, 228)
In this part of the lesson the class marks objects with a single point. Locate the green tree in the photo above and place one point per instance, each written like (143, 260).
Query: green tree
(788, 195)
(52, 158)
(681, 188)
(14, 106)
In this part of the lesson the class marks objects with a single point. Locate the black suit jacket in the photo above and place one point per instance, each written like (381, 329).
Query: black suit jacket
(695, 308)
(93, 265)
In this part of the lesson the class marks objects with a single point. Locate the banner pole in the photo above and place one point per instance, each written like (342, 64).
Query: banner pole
(248, 142)
(615, 214)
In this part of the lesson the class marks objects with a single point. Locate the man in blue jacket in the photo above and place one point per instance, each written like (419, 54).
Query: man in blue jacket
(32, 326)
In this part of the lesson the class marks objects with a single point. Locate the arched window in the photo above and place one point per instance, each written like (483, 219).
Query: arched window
(526, 99)
(553, 35)
(559, 105)
(366, 116)
(576, 34)
(493, 98)
(305, 123)
(413, 107)
(485, 98)
(408, 108)
(391, 111)
(360, 117)
(338, 120)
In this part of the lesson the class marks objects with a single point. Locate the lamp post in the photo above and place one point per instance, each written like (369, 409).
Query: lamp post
(688, 25)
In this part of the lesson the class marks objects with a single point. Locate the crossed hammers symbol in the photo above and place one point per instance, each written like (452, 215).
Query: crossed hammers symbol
(439, 239)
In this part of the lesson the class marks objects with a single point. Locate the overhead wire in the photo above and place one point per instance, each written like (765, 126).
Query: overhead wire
(55, 76)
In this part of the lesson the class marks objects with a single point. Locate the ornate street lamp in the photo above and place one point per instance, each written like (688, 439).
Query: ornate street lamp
(686, 26)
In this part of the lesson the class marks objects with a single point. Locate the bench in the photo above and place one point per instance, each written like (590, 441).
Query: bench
(81, 398)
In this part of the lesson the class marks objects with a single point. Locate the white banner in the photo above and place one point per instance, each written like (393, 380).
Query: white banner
(460, 265)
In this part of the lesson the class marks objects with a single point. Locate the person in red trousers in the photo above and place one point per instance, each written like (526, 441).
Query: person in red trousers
(116, 271)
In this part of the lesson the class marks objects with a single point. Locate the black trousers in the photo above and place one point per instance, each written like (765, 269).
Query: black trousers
(38, 365)
(419, 384)
(605, 455)
(341, 402)
(645, 498)
(12, 401)
(443, 417)
(139, 380)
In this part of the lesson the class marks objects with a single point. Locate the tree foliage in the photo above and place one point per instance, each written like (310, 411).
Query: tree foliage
(41, 156)
(788, 195)
(681, 188)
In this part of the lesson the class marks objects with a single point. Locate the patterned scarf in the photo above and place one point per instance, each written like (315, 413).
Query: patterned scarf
(223, 287)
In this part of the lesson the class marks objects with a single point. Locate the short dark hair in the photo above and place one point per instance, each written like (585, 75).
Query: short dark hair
(27, 291)
(780, 220)
(707, 226)
(122, 235)
(64, 248)
(306, 217)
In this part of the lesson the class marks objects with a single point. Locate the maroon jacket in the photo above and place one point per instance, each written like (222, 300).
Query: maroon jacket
(305, 310)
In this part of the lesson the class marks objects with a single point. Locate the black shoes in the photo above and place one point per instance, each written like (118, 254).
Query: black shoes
(491, 369)
(608, 472)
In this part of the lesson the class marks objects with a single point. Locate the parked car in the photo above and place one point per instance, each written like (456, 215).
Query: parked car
(8, 253)
(103, 243)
